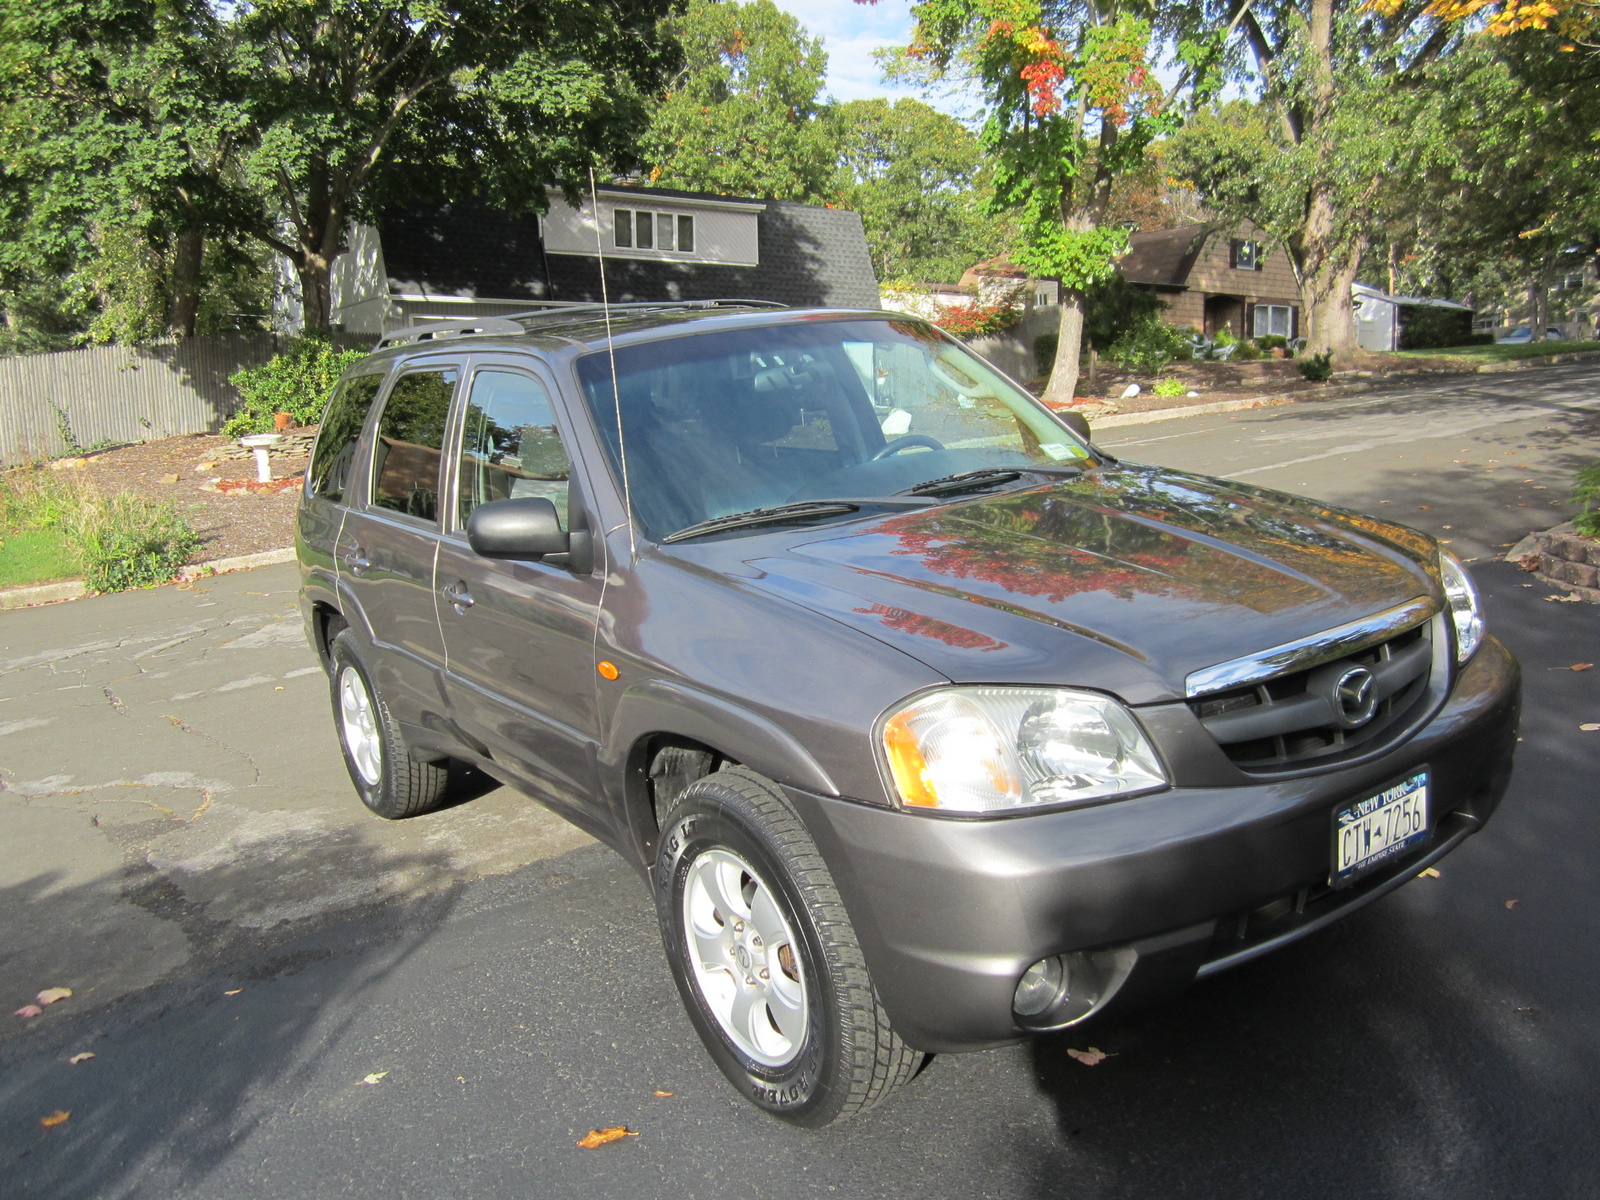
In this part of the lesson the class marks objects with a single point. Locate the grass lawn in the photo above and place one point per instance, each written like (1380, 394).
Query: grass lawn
(37, 557)
(1501, 352)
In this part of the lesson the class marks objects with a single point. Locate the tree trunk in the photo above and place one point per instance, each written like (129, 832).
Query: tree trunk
(1064, 375)
(1326, 266)
(1540, 295)
(186, 273)
(316, 293)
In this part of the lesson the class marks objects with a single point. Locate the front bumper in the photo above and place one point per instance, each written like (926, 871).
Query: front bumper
(1168, 887)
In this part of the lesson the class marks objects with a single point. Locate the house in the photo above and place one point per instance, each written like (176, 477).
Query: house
(993, 281)
(1215, 276)
(469, 260)
(1381, 320)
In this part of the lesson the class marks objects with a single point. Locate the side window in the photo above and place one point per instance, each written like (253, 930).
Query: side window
(405, 463)
(509, 444)
(341, 429)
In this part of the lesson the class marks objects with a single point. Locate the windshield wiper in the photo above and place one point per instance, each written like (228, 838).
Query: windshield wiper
(983, 477)
(794, 512)
(765, 516)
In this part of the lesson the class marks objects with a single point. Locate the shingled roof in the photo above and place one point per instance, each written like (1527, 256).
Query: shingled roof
(810, 257)
(1164, 257)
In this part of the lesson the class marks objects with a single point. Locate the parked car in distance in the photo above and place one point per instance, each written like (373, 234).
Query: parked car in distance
(930, 725)
(1524, 333)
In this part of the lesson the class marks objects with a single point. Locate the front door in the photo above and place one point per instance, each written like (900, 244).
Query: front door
(519, 636)
(388, 547)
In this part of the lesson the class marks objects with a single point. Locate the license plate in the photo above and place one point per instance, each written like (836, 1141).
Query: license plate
(1380, 828)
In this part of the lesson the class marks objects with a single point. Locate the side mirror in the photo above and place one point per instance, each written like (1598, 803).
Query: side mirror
(523, 527)
(1077, 422)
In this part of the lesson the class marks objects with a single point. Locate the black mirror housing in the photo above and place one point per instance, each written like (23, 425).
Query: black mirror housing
(522, 527)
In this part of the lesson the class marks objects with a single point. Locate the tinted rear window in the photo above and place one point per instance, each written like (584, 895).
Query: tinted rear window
(341, 429)
(406, 460)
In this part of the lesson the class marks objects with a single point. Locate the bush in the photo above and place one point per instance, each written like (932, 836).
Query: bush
(122, 542)
(1148, 345)
(1318, 367)
(1246, 352)
(297, 381)
(1428, 328)
(972, 319)
(1044, 352)
(1171, 387)
(1586, 491)
(1272, 341)
(132, 543)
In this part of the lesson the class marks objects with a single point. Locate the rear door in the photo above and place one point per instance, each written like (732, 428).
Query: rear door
(519, 636)
(388, 547)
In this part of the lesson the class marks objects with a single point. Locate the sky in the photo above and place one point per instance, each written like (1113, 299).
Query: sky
(850, 32)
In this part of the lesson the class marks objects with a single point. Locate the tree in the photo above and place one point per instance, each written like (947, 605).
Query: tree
(358, 104)
(1073, 105)
(744, 115)
(918, 179)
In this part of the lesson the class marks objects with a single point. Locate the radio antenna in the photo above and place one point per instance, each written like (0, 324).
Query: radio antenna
(616, 392)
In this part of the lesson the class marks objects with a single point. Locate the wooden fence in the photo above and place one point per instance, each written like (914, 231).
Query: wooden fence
(122, 394)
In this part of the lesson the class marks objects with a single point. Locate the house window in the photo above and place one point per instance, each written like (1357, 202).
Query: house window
(1274, 319)
(1246, 255)
(632, 229)
(1572, 282)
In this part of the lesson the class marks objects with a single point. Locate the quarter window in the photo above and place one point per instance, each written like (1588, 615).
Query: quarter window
(405, 464)
(509, 444)
(335, 455)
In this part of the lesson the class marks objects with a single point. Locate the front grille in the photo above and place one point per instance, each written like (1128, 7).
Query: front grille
(1293, 720)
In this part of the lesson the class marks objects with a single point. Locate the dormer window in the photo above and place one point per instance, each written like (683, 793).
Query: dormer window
(636, 229)
(1246, 255)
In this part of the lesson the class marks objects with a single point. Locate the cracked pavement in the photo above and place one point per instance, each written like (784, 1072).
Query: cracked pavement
(171, 790)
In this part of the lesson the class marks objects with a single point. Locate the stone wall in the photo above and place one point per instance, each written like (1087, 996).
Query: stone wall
(1564, 557)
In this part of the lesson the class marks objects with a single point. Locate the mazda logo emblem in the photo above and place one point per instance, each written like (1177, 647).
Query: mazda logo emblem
(1356, 695)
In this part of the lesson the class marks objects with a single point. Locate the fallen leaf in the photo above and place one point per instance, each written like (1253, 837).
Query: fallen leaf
(1590, 727)
(1090, 1057)
(79, 1058)
(1569, 598)
(277, 689)
(235, 992)
(1511, 903)
(1427, 872)
(661, 1093)
(596, 1138)
(50, 995)
(371, 1079)
(1447, 527)
(1424, 506)
(29, 1010)
(1581, 666)
(54, 1119)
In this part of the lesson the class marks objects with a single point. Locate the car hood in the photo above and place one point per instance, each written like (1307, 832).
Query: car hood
(1123, 579)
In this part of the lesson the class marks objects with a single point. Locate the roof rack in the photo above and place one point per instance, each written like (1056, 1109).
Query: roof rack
(461, 327)
(549, 310)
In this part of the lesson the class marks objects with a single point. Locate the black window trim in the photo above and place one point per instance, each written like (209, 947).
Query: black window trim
(398, 371)
(539, 371)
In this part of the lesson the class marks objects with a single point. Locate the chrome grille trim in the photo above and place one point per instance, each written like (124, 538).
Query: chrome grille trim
(1310, 651)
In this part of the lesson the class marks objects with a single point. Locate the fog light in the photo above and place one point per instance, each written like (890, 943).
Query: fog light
(1040, 988)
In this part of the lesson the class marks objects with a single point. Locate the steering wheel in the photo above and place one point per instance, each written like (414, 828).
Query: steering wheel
(905, 443)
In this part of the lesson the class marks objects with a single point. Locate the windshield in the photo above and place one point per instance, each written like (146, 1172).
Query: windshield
(721, 423)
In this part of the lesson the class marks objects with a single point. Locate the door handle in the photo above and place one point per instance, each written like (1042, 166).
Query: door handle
(460, 599)
(358, 561)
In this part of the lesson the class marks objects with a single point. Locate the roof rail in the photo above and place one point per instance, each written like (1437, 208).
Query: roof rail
(519, 322)
(435, 330)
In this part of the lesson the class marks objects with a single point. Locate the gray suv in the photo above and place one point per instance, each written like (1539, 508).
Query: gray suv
(931, 725)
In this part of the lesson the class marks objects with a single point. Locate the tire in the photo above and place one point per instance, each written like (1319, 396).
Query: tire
(808, 1040)
(389, 781)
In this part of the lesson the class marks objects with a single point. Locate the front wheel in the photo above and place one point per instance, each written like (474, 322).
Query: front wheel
(765, 958)
(387, 778)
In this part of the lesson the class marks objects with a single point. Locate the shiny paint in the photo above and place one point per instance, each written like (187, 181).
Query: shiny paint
(781, 647)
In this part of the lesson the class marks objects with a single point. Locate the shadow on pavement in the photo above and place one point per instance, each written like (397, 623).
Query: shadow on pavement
(145, 1122)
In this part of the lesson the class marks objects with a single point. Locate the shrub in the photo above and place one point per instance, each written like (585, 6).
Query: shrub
(1271, 341)
(1427, 328)
(1148, 345)
(1171, 387)
(1586, 491)
(1318, 367)
(976, 320)
(131, 542)
(1246, 352)
(297, 381)
(1044, 352)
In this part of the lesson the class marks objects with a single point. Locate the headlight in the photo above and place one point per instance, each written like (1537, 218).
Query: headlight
(987, 749)
(1462, 596)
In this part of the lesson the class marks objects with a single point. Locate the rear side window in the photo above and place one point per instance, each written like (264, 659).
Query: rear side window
(346, 413)
(405, 463)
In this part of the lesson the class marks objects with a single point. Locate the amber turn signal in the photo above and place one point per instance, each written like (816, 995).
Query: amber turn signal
(608, 670)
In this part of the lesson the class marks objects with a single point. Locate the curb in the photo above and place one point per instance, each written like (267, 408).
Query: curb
(1543, 360)
(71, 589)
